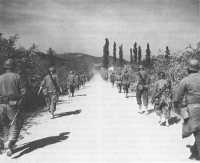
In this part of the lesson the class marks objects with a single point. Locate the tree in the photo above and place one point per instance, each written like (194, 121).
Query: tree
(139, 56)
(135, 52)
(121, 55)
(51, 53)
(114, 53)
(131, 55)
(106, 54)
(148, 54)
(8, 46)
(167, 53)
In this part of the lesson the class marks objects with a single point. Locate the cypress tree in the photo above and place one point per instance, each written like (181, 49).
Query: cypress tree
(131, 55)
(121, 55)
(148, 54)
(114, 53)
(106, 54)
(167, 52)
(135, 52)
(139, 56)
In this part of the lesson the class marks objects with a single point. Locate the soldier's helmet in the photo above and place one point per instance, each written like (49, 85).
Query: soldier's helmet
(193, 65)
(161, 74)
(9, 64)
(140, 67)
(52, 69)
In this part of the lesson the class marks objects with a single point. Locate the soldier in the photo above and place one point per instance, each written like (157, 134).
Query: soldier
(72, 84)
(119, 81)
(112, 78)
(12, 93)
(77, 81)
(143, 82)
(126, 82)
(51, 90)
(162, 99)
(189, 88)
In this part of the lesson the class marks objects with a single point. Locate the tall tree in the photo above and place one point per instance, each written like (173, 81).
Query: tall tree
(148, 54)
(51, 53)
(114, 53)
(135, 52)
(167, 52)
(121, 55)
(139, 56)
(131, 55)
(106, 53)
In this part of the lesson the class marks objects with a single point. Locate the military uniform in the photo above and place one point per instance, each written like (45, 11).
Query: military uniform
(112, 78)
(162, 100)
(52, 94)
(126, 82)
(119, 82)
(189, 88)
(143, 82)
(11, 90)
(72, 83)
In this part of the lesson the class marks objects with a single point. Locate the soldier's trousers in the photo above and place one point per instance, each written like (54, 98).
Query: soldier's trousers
(7, 115)
(142, 97)
(196, 147)
(51, 101)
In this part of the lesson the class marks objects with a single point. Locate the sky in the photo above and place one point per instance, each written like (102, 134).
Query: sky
(83, 25)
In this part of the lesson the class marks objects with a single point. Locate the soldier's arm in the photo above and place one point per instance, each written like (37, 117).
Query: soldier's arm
(179, 94)
(21, 85)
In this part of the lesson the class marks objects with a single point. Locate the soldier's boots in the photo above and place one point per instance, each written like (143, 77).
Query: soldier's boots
(140, 110)
(1, 146)
(9, 146)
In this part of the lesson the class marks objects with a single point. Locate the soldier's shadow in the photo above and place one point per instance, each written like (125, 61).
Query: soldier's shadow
(67, 113)
(36, 144)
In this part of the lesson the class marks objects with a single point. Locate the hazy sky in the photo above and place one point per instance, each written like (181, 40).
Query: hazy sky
(82, 25)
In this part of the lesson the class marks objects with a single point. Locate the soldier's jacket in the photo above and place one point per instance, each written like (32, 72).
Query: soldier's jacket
(125, 78)
(112, 77)
(77, 79)
(48, 83)
(71, 79)
(143, 78)
(189, 88)
(162, 89)
(11, 85)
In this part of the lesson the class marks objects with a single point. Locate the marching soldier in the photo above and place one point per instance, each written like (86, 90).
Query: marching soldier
(51, 90)
(162, 99)
(72, 83)
(119, 81)
(143, 82)
(12, 93)
(126, 82)
(189, 88)
(112, 78)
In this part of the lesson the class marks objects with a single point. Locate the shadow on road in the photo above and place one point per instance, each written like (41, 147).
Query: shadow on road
(36, 144)
(81, 95)
(67, 113)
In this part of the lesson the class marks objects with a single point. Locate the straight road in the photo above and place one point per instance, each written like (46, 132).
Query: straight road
(99, 126)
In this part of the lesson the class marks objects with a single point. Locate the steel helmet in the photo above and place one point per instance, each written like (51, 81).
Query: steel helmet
(141, 67)
(52, 69)
(193, 65)
(9, 64)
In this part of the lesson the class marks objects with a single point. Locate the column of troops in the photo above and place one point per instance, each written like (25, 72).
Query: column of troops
(180, 102)
(13, 95)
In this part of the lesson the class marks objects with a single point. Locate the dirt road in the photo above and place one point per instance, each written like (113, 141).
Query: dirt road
(99, 126)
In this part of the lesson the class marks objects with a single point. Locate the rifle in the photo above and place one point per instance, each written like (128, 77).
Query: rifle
(158, 94)
(18, 105)
(54, 83)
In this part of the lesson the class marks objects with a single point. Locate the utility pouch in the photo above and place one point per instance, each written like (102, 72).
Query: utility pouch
(184, 112)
